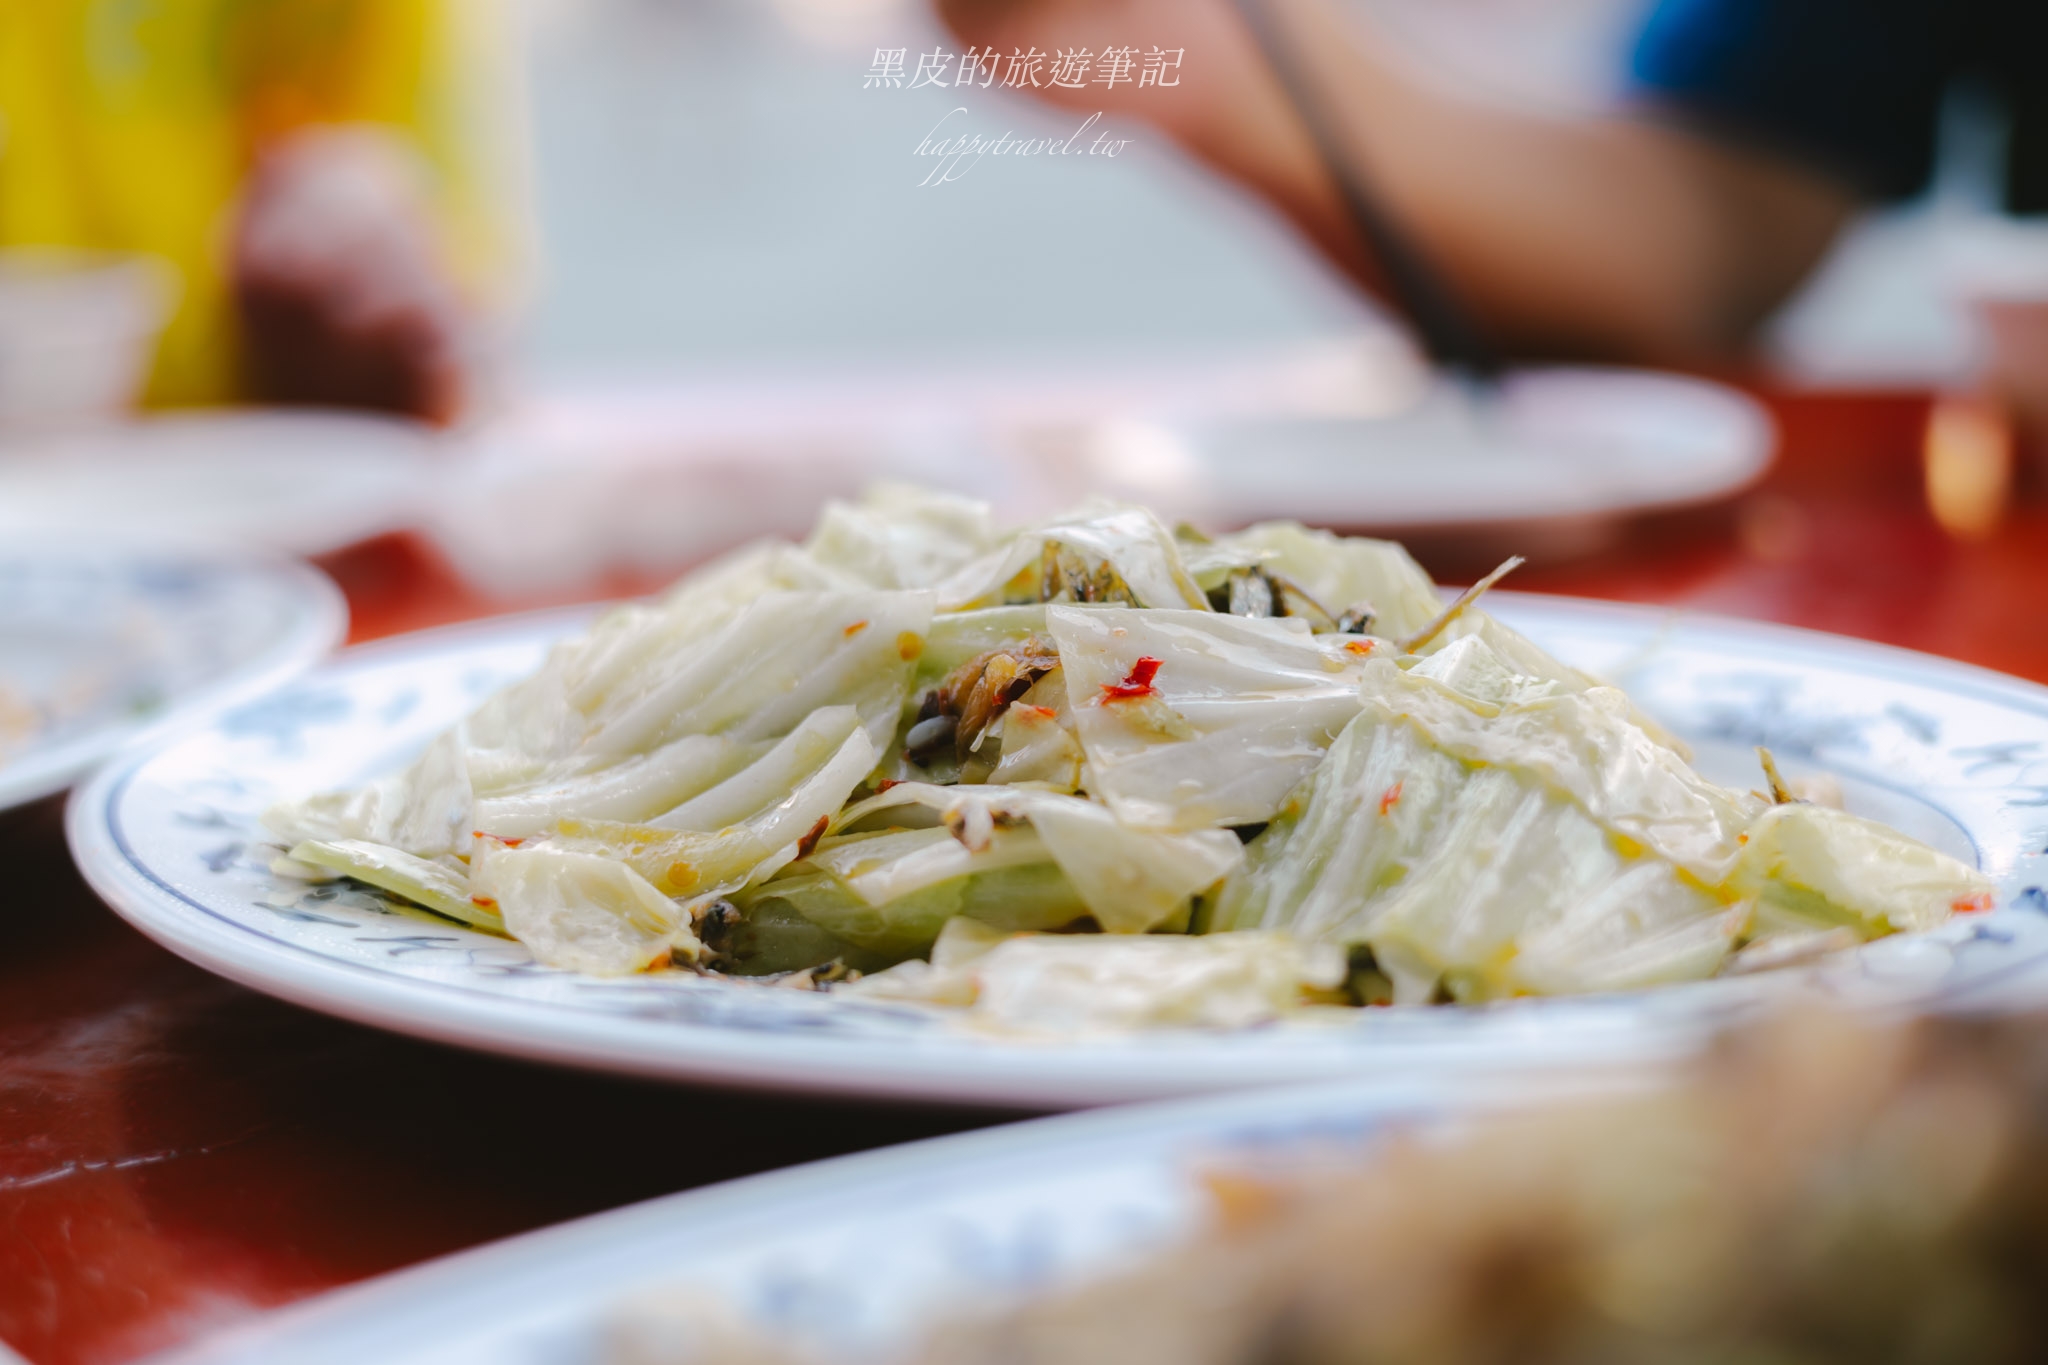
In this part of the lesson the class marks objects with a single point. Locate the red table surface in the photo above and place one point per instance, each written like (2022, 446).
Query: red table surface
(177, 1153)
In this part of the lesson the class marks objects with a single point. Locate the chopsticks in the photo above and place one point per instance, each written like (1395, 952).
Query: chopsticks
(1440, 319)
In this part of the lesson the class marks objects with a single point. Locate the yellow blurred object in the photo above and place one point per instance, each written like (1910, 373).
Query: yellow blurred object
(131, 125)
(1969, 465)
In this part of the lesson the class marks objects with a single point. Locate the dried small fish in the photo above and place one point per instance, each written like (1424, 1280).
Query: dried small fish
(1065, 575)
(1250, 594)
(714, 927)
(1053, 575)
(819, 978)
(1261, 593)
(929, 736)
(1357, 619)
(981, 689)
(1001, 681)
(832, 973)
(1292, 599)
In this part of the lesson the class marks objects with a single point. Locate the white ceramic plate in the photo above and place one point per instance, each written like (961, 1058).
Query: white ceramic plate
(1954, 755)
(1565, 448)
(99, 646)
(297, 482)
(844, 1255)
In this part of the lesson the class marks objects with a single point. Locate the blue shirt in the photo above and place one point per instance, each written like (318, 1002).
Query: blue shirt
(1851, 88)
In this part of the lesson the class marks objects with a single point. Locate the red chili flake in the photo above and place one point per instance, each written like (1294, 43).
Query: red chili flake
(1971, 905)
(485, 901)
(1136, 683)
(1358, 646)
(805, 845)
(1045, 711)
(856, 628)
(509, 843)
(887, 783)
(1391, 795)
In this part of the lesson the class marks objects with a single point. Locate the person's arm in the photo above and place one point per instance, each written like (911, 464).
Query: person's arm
(1615, 237)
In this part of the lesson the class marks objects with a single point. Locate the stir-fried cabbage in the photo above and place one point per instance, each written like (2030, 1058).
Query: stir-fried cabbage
(1237, 712)
(1376, 579)
(1131, 879)
(1064, 983)
(1101, 553)
(1100, 770)
(1479, 880)
(1486, 834)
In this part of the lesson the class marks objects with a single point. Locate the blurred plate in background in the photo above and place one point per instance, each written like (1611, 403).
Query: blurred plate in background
(1547, 449)
(576, 481)
(647, 474)
(294, 482)
(98, 646)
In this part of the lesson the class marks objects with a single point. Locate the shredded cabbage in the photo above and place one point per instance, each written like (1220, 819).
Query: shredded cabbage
(1347, 573)
(1101, 772)
(1238, 712)
(1065, 983)
(1521, 838)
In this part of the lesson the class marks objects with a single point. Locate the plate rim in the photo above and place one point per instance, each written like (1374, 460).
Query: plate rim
(895, 1069)
(312, 636)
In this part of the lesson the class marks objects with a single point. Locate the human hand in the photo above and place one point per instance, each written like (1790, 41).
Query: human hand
(1227, 107)
(341, 295)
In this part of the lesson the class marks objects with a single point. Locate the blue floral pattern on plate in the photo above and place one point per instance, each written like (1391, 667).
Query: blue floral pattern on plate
(1954, 755)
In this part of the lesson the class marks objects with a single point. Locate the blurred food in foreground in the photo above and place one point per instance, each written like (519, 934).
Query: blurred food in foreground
(332, 182)
(1815, 1190)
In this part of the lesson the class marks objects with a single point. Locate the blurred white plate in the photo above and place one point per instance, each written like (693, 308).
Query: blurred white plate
(576, 480)
(574, 483)
(1545, 446)
(171, 837)
(844, 1257)
(99, 646)
(297, 482)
